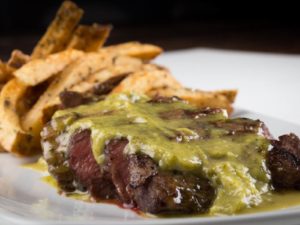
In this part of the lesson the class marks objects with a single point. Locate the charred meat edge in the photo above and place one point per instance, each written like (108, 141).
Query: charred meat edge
(283, 161)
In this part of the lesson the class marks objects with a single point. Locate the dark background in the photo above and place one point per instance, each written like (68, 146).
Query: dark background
(245, 25)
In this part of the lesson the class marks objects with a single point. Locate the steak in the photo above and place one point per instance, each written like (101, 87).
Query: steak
(70, 99)
(284, 162)
(87, 172)
(136, 180)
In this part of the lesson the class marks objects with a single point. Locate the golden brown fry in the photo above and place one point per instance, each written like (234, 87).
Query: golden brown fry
(12, 136)
(39, 70)
(1, 87)
(89, 38)
(59, 31)
(148, 78)
(78, 71)
(123, 65)
(215, 99)
(11, 93)
(134, 49)
(17, 59)
(2, 71)
(229, 94)
(5, 72)
(2, 149)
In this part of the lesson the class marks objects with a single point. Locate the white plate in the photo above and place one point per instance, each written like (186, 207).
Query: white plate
(24, 199)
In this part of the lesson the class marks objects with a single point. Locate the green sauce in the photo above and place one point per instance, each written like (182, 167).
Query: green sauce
(235, 164)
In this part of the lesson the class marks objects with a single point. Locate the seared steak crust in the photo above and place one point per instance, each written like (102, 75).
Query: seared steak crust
(284, 162)
(140, 183)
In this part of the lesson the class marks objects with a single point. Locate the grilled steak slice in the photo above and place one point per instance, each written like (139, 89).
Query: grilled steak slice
(70, 99)
(169, 193)
(108, 85)
(284, 162)
(87, 172)
(139, 183)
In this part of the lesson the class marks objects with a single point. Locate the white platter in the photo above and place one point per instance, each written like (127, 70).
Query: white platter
(24, 199)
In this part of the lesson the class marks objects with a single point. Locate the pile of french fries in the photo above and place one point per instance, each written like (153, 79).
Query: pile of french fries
(72, 57)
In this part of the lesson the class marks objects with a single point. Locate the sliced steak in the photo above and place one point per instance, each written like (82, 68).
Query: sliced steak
(87, 172)
(168, 193)
(284, 162)
(140, 183)
(108, 85)
(70, 99)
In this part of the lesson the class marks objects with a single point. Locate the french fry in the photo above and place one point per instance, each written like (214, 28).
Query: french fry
(123, 65)
(2, 71)
(2, 149)
(230, 95)
(39, 70)
(1, 87)
(214, 99)
(89, 38)
(148, 78)
(10, 95)
(17, 59)
(78, 71)
(59, 31)
(13, 138)
(5, 72)
(134, 49)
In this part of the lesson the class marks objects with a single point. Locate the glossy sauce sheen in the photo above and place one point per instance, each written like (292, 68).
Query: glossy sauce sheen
(203, 144)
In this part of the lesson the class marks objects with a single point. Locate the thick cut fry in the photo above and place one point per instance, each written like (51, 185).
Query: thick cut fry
(39, 70)
(122, 65)
(78, 71)
(17, 59)
(146, 79)
(5, 72)
(12, 136)
(89, 38)
(11, 93)
(2, 149)
(59, 31)
(217, 99)
(134, 49)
